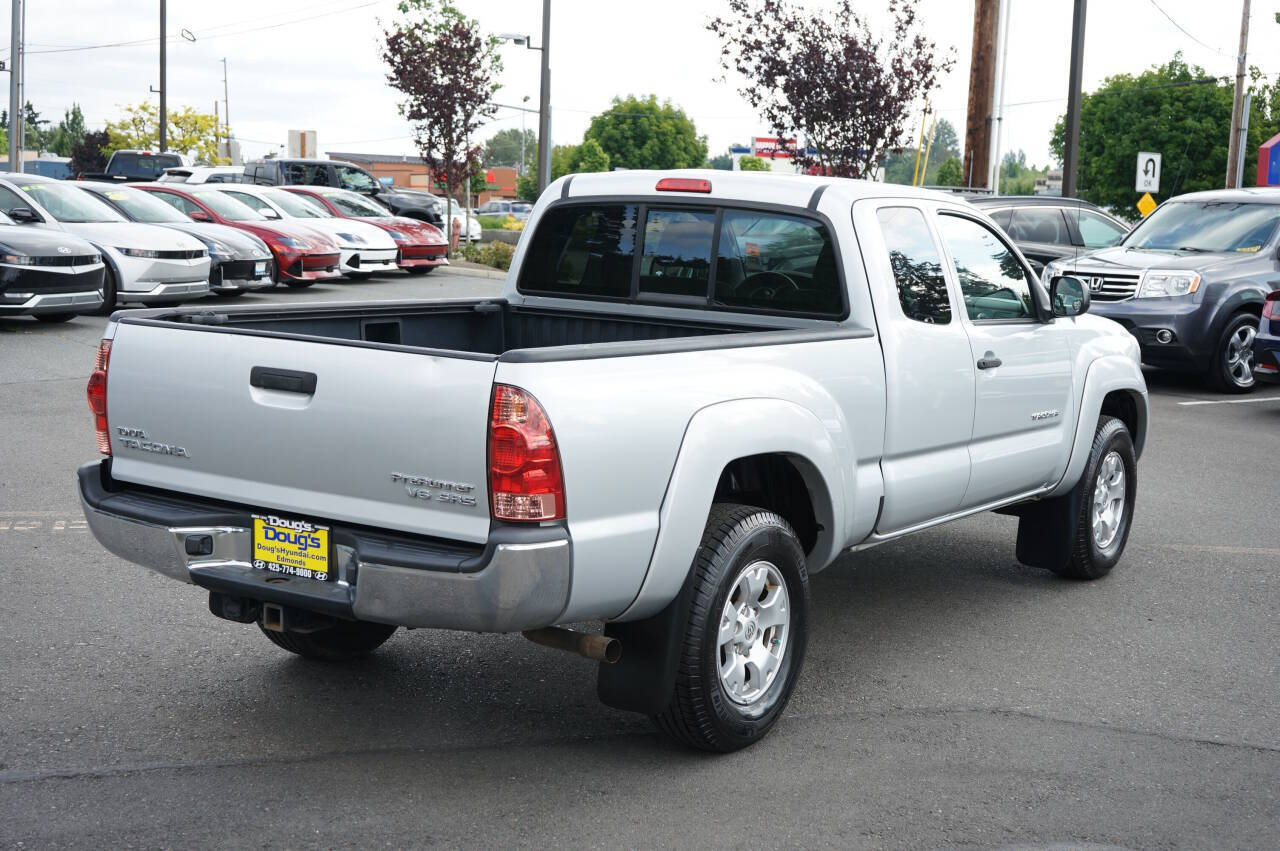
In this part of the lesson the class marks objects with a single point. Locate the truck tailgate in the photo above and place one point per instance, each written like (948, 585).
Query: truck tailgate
(385, 438)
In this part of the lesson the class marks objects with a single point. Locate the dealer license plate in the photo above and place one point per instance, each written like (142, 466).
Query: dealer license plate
(291, 547)
(260, 269)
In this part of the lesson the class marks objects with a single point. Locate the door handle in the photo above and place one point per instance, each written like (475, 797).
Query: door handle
(288, 380)
(989, 361)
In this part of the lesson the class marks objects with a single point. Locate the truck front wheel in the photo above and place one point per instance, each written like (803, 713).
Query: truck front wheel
(342, 642)
(744, 642)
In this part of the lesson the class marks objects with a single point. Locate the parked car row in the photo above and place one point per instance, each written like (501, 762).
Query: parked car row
(165, 243)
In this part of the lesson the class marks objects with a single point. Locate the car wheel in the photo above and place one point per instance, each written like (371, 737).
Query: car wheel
(1232, 368)
(110, 293)
(1103, 500)
(54, 318)
(339, 643)
(744, 641)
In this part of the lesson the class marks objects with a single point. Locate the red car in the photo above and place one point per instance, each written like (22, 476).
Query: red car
(302, 255)
(422, 245)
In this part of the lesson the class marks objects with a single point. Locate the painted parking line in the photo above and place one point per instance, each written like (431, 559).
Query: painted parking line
(1227, 550)
(1231, 401)
(42, 521)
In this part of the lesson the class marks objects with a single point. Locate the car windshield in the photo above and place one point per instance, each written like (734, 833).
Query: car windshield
(68, 204)
(295, 205)
(1197, 226)
(141, 207)
(355, 204)
(228, 207)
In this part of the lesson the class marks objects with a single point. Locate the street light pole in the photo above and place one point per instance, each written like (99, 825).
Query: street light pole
(164, 112)
(1071, 146)
(544, 103)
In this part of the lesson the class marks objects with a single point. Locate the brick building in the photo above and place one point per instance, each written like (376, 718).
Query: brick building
(415, 172)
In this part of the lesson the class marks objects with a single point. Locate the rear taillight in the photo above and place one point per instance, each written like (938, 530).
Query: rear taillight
(97, 393)
(1271, 307)
(525, 482)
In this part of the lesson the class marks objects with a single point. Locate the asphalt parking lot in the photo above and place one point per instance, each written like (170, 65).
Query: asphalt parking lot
(951, 697)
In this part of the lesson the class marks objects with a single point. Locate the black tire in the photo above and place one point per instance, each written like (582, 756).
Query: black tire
(298, 285)
(341, 643)
(701, 713)
(1232, 368)
(1089, 559)
(420, 270)
(110, 293)
(54, 318)
(230, 293)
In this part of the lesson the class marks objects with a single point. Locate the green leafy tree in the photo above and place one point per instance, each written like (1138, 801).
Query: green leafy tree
(643, 133)
(62, 139)
(900, 166)
(950, 173)
(503, 149)
(723, 162)
(190, 132)
(564, 160)
(591, 157)
(750, 163)
(1175, 109)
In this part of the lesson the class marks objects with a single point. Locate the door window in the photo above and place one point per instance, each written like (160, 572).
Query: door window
(10, 199)
(993, 283)
(355, 179)
(308, 174)
(916, 264)
(1098, 231)
(1038, 224)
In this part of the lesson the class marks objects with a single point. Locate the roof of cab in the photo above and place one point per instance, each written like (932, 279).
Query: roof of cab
(794, 190)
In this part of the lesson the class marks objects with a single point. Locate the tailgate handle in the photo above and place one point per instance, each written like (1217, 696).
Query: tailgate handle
(288, 380)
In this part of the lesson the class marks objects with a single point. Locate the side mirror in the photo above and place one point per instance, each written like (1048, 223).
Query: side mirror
(24, 215)
(199, 216)
(268, 212)
(1068, 295)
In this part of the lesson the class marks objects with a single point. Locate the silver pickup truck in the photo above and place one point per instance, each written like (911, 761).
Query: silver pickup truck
(698, 389)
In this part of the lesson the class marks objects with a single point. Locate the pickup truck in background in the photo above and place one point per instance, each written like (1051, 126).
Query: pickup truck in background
(698, 389)
(134, 166)
(410, 203)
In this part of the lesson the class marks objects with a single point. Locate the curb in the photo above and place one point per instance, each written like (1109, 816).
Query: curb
(471, 270)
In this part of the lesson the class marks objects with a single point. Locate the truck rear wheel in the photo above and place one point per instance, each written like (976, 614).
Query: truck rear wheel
(342, 642)
(744, 642)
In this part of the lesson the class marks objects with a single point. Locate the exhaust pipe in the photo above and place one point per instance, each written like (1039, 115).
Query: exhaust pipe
(601, 648)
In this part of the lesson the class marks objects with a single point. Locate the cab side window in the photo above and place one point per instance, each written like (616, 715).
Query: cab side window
(916, 264)
(354, 179)
(993, 282)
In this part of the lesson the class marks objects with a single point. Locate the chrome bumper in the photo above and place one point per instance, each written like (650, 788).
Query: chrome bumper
(522, 586)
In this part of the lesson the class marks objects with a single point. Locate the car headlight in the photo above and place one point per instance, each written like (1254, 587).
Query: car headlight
(397, 236)
(218, 251)
(139, 252)
(293, 242)
(355, 239)
(1157, 284)
(17, 259)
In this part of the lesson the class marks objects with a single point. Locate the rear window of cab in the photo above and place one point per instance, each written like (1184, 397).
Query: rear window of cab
(717, 258)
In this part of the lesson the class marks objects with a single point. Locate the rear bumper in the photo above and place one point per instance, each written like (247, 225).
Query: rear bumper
(519, 580)
(1266, 352)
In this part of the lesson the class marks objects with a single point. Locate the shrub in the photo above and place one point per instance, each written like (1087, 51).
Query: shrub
(495, 254)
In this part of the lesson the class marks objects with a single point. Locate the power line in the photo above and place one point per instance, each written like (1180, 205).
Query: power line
(1185, 32)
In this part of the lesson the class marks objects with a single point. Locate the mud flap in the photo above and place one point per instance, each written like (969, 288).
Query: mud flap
(645, 677)
(1047, 530)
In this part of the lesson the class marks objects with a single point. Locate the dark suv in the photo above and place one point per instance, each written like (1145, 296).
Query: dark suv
(1045, 227)
(1190, 281)
(411, 203)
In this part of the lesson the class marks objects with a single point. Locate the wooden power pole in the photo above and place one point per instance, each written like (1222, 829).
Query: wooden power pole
(982, 87)
(1234, 152)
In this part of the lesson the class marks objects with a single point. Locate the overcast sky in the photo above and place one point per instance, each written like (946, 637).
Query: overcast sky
(294, 64)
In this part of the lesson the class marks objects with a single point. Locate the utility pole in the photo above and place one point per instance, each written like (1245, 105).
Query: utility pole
(15, 81)
(1242, 139)
(982, 82)
(164, 88)
(544, 103)
(1071, 146)
(1003, 65)
(1234, 152)
(226, 102)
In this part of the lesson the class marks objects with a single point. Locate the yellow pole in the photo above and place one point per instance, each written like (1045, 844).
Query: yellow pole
(916, 174)
(929, 147)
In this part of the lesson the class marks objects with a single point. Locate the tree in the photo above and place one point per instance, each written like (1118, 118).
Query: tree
(824, 76)
(448, 73)
(900, 166)
(642, 133)
(591, 157)
(564, 160)
(88, 155)
(750, 163)
(1174, 109)
(723, 162)
(190, 132)
(503, 149)
(70, 130)
(950, 173)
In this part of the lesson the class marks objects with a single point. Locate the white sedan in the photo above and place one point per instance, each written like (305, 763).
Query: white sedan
(365, 249)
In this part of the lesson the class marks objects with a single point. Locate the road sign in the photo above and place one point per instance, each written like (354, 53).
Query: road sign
(1146, 204)
(1148, 172)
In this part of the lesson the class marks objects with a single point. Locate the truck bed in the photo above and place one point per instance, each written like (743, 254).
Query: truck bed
(479, 329)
